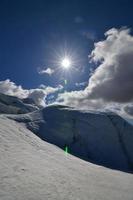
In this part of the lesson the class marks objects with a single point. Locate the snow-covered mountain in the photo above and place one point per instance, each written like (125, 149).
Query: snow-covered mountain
(14, 105)
(32, 168)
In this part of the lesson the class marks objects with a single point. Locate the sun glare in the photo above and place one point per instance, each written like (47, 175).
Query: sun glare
(66, 63)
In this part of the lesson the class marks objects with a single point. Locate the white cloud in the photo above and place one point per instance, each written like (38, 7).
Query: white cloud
(10, 88)
(38, 94)
(111, 84)
(48, 71)
(113, 79)
(80, 100)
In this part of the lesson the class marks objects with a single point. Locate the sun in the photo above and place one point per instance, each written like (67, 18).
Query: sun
(66, 63)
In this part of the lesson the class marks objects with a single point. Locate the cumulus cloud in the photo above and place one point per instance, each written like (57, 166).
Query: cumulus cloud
(111, 84)
(38, 94)
(113, 79)
(79, 99)
(48, 71)
(10, 88)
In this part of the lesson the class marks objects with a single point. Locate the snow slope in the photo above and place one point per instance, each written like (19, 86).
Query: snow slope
(14, 105)
(33, 169)
(102, 138)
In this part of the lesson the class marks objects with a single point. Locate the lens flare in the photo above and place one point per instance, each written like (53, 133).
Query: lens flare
(66, 63)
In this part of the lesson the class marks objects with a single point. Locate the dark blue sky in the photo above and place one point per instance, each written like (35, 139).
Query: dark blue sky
(31, 31)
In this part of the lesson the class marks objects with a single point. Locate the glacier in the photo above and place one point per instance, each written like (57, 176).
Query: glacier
(102, 138)
(34, 165)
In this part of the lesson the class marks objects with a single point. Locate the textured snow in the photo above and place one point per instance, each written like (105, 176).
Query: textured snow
(36, 169)
(102, 138)
(33, 169)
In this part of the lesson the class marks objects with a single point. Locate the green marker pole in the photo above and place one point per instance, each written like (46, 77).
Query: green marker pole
(65, 81)
(66, 150)
(65, 85)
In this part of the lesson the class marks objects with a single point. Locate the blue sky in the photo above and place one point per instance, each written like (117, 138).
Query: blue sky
(35, 33)
(30, 32)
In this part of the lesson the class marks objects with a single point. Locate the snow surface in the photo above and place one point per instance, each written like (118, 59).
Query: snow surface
(102, 138)
(33, 169)
(36, 169)
(14, 105)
